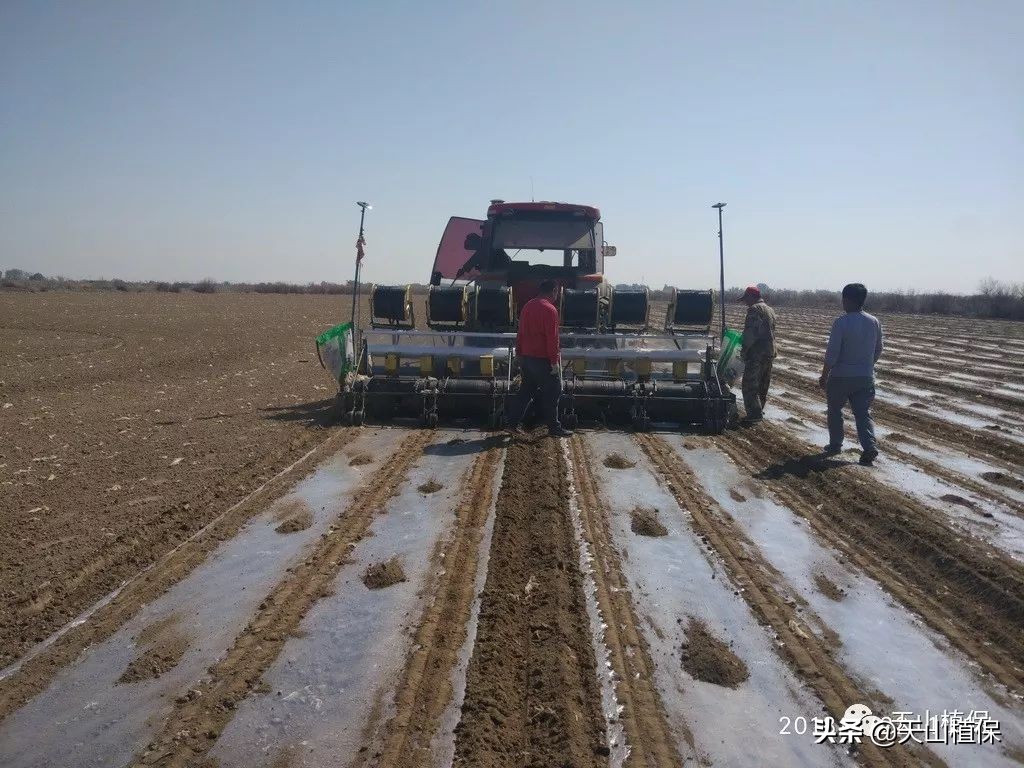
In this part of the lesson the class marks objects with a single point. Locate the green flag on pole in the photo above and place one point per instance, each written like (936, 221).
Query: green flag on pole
(334, 348)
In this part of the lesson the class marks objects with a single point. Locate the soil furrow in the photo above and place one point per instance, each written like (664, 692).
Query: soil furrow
(931, 468)
(95, 568)
(643, 716)
(36, 673)
(936, 384)
(764, 590)
(197, 720)
(896, 354)
(532, 692)
(425, 687)
(964, 588)
(916, 421)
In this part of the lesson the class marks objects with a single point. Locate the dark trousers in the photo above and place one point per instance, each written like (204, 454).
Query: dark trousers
(757, 377)
(859, 392)
(537, 381)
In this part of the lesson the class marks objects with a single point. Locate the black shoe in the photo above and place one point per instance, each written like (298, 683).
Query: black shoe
(559, 432)
(868, 457)
(832, 450)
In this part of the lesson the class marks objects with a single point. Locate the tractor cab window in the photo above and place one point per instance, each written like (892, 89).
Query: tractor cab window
(470, 247)
(550, 234)
(552, 241)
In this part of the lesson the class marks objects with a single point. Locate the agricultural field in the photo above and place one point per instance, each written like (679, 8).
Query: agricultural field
(198, 567)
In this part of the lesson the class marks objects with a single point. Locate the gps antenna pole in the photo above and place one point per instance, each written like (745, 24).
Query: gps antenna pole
(360, 243)
(721, 265)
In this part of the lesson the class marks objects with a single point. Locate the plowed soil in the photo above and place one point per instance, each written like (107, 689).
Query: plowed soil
(767, 594)
(425, 690)
(145, 432)
(134, 420)
(532, 694)
(195, 722)
(905, 544)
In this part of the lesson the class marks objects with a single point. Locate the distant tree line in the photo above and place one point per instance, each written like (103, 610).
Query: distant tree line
(20, 280)
(994, 299)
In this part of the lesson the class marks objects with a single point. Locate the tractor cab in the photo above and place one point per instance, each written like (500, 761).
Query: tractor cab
(521, 244)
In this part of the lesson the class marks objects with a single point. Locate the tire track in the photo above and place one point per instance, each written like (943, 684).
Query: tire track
(762, 587)
(962, 587)
(981, 442)
(198, 718)
(532, 691)
(38, 671)
(643, 716)
(425, 690)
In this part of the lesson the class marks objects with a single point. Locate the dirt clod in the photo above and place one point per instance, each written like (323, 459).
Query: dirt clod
(294, 517)
(431, 486)
(163, 646)
(952, 498)
(1002, 478)
(828, 588)
(297, 522)
(707, 658)
(360, 459)
(386, 574)
(736, 495)
(645, 522)
(618, 461)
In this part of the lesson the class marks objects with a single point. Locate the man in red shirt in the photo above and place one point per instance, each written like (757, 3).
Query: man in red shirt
(538, 354)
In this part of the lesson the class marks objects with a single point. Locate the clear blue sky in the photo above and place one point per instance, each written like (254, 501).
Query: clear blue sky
(873, 141)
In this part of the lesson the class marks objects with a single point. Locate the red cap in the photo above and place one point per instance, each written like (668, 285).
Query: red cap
(752, 291)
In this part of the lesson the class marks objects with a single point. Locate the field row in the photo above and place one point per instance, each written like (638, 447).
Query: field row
(431, 597)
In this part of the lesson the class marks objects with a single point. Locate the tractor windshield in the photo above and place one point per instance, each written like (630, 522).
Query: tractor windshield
(555, 241)
(547, 233)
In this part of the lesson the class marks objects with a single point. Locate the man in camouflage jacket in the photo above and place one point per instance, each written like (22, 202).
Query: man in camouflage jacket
(757, 352)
